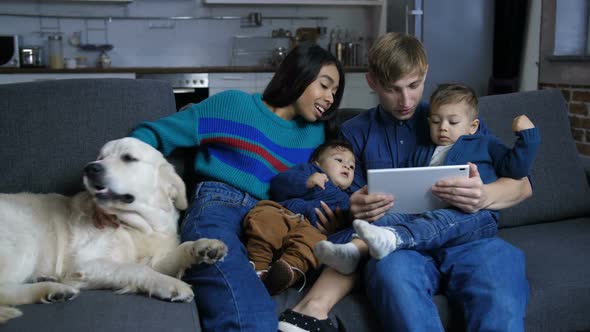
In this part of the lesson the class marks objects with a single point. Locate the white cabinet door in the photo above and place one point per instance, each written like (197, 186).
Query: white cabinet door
(6, 79)
(357, 93)
(262, 80)
(232, 81)
(247, 82)
(19, 78)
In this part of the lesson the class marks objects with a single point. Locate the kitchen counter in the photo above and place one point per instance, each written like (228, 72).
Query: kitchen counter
(158, 70)
(216, 78)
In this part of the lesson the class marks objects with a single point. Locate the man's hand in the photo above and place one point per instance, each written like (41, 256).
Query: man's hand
(317, 179)
(467, 194)
(369, 207)
(521, 123)
(101, 220)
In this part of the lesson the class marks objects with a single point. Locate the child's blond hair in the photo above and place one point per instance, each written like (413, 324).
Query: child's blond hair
(394, 55)
(454, 93)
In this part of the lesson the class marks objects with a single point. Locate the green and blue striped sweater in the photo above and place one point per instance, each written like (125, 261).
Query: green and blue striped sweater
(241, 142)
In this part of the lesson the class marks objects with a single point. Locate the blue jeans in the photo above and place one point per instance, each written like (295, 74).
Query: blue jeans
(229, 294)
(439, 228)
(484, 282)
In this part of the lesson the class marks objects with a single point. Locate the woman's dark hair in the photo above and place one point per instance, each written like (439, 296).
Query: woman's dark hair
(331, 144)
(298, 70)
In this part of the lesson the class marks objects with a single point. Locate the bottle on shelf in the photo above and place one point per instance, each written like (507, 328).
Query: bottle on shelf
(56, 55)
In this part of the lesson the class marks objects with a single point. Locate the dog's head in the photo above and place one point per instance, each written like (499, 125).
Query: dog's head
(133, 181)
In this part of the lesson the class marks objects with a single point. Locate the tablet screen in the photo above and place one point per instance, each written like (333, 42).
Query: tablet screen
(412, 186)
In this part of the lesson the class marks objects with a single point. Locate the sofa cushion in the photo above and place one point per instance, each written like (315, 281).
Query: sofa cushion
(105, 311)
(557, 272)
(51, 129)
(560, 190)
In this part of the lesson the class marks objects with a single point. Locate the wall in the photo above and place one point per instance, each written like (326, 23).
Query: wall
(171, 43)
(529, 75)
(578, 100)
(553, 69)
(458, 36)
(571, 76)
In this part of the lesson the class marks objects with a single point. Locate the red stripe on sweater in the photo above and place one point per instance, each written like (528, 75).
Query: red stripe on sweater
(243, 145)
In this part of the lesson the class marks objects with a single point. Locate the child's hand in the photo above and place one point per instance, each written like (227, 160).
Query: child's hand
(521, 123)
(317, 179)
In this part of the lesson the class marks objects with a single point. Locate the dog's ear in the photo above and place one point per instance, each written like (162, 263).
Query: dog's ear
(175, 188)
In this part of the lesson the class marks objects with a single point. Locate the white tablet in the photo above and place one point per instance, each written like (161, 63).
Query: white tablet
(412, 186)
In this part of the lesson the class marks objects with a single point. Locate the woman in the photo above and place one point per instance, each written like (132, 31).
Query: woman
(243, 140)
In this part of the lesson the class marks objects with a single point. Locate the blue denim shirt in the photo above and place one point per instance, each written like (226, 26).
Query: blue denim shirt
(381, 141)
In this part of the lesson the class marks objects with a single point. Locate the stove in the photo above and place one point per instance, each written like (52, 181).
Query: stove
(187, 87)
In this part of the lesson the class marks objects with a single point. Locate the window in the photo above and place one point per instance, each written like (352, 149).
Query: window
(572, 28)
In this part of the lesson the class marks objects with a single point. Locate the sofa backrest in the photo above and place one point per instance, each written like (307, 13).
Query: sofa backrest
(50, 129)
(560, 189)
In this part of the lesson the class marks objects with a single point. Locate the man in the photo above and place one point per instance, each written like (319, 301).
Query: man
(483, 280)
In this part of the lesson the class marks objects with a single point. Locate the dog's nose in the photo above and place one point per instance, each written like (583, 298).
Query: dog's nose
(93, 169)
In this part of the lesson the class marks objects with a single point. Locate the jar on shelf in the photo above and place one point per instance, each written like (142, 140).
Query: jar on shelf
(56, 54)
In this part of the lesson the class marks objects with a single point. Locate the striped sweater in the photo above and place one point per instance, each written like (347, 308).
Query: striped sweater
(240, 141)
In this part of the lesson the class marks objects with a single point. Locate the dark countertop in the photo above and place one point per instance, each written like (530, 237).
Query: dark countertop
(157, 70)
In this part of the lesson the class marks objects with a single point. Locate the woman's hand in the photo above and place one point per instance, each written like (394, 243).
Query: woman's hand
(101, 220)
(369, 207)
(467, 194)
(329, 221)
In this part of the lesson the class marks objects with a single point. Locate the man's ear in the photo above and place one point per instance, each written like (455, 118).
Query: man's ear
(371, 81)
(473, 127)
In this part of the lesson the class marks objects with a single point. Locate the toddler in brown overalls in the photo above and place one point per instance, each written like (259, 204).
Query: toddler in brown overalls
(280, 234)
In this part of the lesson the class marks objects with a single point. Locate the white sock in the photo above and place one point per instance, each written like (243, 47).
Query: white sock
(343, 258)
(381, 241)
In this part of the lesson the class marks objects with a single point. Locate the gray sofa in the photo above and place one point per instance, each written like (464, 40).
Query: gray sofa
(49, 130)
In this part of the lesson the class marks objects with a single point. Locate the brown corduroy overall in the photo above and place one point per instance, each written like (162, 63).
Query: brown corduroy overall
(274, 232)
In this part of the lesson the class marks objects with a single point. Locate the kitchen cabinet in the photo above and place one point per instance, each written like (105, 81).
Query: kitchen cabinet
(86, 1)
(247, 82)
(19, 78)
(357, 93)
(299, 2)
(379, 18)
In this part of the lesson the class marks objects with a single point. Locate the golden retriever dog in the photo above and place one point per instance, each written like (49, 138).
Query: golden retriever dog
(50, 248)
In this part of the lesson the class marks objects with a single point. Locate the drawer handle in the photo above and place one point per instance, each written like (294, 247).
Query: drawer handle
(181, 90)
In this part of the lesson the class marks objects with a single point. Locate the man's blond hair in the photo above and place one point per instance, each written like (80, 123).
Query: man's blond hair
(395, 55)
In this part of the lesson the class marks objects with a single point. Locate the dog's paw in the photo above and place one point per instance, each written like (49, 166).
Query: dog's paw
(54, 292)
(7, 313)
(208, 251)
(172, 290)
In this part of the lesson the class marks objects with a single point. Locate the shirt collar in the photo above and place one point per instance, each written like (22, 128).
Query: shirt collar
(388, 118)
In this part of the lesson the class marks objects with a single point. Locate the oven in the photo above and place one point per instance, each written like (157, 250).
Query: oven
(187, 87)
